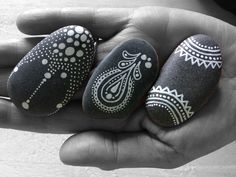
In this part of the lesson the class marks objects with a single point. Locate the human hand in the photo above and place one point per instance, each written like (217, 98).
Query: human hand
(137, 142)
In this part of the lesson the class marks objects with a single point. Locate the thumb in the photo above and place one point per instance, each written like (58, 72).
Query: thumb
(111, 151)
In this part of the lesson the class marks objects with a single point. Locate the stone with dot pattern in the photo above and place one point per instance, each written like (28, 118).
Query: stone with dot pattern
(49, 75)
(186, 81)
(119, 84)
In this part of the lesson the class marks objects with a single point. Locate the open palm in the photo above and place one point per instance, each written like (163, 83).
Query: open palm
(136, 141)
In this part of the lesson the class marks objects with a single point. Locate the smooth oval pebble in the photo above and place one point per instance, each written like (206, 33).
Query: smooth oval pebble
(48, 76)
(186, 81)
(121, 80)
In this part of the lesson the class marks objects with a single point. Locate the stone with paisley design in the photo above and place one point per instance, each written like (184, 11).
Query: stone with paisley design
(186, 81)
(121, 80)
(46, 79)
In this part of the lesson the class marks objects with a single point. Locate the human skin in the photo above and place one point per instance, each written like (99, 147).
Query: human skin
(135, 141)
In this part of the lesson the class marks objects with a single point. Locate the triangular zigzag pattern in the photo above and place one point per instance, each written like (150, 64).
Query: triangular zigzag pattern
(178, 97)
(195, 60)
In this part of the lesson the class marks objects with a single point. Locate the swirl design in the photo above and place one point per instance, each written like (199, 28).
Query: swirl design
(113, 88)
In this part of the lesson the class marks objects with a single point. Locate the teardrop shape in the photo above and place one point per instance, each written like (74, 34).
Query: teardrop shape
(121, 80)
(186, 81)
(49, 75)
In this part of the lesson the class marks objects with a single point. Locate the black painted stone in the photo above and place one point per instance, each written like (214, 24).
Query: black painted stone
(121, 80)
(48, 76)
(186, 81)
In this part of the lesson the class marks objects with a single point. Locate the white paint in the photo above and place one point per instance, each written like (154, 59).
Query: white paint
(69, 51)
(15, 69)
(80, 53)
(61, 46)
(72, 60)
(69, 40)
(76, 43)
(44, 61)
(79, 29)
(148, 65)
(83, 38)
(144, 57)
(55, 51)
(63, 75)
(47, 75)
(70, 33)
(25, 105)
(59, 105)
(178, 108)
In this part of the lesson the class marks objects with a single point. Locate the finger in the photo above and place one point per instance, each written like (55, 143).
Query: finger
(102, 22)
(12, 51)
(70, 119)
(111, 151)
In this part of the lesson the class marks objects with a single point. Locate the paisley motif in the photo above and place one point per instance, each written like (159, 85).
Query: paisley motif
(113, 88)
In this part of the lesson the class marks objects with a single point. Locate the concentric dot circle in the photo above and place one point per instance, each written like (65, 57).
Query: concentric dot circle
(44, 61)
(61, 46)
(25, 105)
(69, 51)
(47, 75)
(70, 33)
(83, 37)
(63, 75)
(76, 43)
(79, 29)
(72, 60)
(69, 40)
(55, 51)
(80, 53)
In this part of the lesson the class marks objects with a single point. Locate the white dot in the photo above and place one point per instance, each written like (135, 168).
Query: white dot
(72, 59)
(47, 75)
(55, 50)
(109, 96)
(144, 57)
(76, 43)
(60, 54)
(65, 30)
(148, 64)
(69, 51)
(80, 53)
(83, 45)
(83, 38)
(79, 29)
(69, 40)
(25, 105)
(54, 45)
(77, 36)
(63, 75)
(44, 61)
(59, 105)
(44, 79)
(70, 33)
(16, 69)
(61, 46)
(65, 59)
